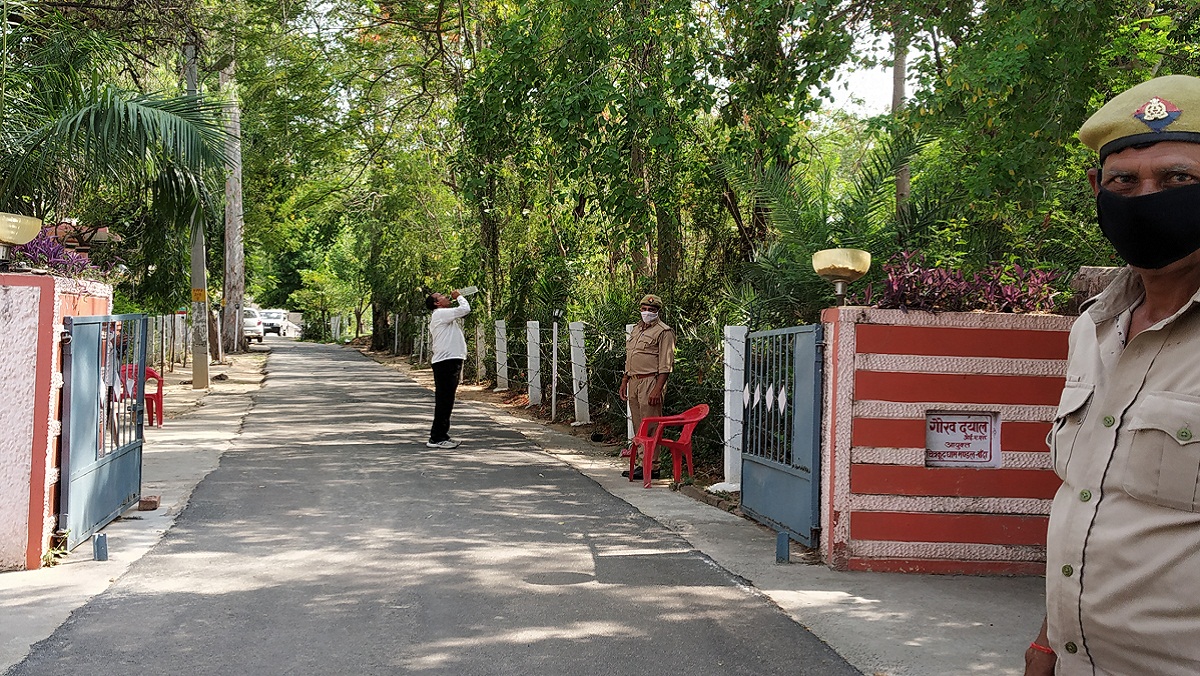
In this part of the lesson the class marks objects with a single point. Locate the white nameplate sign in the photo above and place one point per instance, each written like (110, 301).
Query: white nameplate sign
(962, 439)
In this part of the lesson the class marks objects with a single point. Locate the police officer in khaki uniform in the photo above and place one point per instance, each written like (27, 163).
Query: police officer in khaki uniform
(649, 359)
(1123, 548)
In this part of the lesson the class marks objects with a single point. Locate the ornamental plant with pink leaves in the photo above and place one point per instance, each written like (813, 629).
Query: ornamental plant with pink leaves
(999, 287)
(46, 252)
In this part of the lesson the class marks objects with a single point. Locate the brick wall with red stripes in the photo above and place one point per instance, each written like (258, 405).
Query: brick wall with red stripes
(882, 508)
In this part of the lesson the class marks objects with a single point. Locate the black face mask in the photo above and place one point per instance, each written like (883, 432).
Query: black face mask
(1152, 231)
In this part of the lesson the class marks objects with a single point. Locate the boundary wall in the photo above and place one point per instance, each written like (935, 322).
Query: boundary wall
(883, 508)
(32, 308)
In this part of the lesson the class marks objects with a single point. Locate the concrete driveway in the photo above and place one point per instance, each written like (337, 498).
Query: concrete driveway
(331, 541)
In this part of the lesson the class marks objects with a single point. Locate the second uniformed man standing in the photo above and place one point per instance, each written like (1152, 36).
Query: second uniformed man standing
(649, 359)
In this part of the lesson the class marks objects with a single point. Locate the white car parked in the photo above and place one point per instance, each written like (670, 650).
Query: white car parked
(275, 321)
(252, 324)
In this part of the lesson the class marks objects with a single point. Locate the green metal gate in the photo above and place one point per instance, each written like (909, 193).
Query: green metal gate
(104, 376)
(782, 435)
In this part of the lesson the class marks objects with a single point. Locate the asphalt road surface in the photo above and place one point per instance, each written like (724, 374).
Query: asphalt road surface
(331, 541)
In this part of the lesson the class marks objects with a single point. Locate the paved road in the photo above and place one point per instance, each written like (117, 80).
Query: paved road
(331, 541)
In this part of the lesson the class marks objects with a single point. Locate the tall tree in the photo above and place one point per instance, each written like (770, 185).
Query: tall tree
(235, 261)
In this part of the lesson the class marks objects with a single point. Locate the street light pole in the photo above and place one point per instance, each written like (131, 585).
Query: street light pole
(199, 269)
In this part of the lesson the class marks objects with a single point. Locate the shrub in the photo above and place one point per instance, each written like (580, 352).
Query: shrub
(998, 287)
(47, 252)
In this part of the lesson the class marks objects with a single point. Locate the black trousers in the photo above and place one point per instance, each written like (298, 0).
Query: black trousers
(445, 381)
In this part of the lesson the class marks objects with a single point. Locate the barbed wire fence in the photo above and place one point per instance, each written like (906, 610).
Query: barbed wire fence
(571, 372)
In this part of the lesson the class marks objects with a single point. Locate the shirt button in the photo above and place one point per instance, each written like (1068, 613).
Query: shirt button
(1109, 421)
(1068, 570)
(1184, 434)
(1071, 647)
(1085, 495)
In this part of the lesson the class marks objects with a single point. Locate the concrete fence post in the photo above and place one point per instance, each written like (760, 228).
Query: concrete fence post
(501, 356)
(533, 337)
(579, 379)
(418, 338)
(186, 323)
(554, 370)
(395, 334)
(735, 411)
(480, 350)
(426, 343)
(183, 325)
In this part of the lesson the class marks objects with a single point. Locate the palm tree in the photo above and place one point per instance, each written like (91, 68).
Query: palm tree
(65, 131)
(811, 211)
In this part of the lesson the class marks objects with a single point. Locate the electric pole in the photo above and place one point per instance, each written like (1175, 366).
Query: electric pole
(199, 272)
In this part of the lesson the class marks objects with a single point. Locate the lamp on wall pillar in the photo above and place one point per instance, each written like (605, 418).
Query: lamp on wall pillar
(15, 230)
(841, 266)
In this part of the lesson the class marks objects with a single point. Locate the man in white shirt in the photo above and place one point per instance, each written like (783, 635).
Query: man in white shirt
(449, 351)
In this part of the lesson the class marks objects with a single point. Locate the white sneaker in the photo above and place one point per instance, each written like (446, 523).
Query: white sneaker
(449, 443)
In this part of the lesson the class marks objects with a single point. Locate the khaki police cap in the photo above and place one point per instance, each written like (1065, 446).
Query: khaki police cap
(651, 299)
(1163, 109)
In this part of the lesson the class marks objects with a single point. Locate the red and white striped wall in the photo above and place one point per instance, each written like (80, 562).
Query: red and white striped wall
(882, 508)
(34, 307)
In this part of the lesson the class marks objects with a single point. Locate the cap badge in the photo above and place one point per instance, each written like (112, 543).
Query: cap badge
(1158, 114)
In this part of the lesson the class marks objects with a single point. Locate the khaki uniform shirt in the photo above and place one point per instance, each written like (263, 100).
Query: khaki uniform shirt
(650, 349)
(1123, 551)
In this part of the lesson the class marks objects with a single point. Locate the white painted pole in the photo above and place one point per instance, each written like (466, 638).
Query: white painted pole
(533, 351)
(628, 413)
(554, 371)
(501, 356)
(418, 336)
(480, 350)
(579, 379)
(395, 334)
(735, 412)
(220, 343)
(424, 341)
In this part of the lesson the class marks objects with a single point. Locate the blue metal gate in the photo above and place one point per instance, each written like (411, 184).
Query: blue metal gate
(104, 375)
(782, 435)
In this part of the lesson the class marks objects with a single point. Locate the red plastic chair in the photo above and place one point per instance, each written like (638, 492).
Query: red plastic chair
(680, 448)
(154, 400)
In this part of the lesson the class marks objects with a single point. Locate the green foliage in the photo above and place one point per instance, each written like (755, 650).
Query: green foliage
(57, 551)
(68, 132)
(87, 138)
(322, 295)
(572, 155)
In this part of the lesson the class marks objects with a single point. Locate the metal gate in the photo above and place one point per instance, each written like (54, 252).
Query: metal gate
(104, 375)
(782, 434)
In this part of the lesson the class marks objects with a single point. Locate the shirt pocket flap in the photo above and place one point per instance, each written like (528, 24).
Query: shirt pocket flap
(1074, 397)
(1173, 415)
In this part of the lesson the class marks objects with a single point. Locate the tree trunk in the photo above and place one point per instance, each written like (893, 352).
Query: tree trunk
(760, 211)
(382, 330)
(729, 198)
(670, 247)
(489, 231)
(899, 69)
(214, 344)
(199, 258)
(638, 244)
(235, 261)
